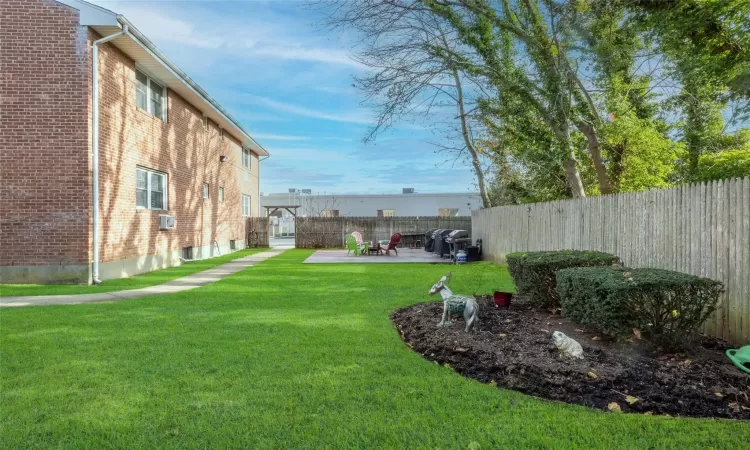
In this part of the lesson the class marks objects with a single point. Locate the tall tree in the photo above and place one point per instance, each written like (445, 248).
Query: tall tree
(708, 45)
(519, 56)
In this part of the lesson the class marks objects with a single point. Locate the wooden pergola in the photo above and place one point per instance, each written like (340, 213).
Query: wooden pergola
(291, 208)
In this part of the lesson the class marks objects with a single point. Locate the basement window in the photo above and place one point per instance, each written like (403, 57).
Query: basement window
(150, 96)
(187, 253)
(232, 244)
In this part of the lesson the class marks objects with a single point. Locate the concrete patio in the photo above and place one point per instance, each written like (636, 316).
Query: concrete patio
(405, 255)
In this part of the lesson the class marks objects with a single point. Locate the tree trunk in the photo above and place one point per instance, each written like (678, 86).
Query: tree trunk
(618, 153)
(573, 177)
(570, 164)
(595, 153)
(470, 145)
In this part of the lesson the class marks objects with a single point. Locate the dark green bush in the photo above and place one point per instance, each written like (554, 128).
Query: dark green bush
(667, 307)
(534, 272)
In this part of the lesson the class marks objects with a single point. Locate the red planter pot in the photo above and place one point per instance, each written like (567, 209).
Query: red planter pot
(502, 299)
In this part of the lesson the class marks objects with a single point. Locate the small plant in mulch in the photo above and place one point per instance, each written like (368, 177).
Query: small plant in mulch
(513, 349)
(534, 272)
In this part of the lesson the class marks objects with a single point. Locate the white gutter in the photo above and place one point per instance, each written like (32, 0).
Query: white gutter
(95, 158)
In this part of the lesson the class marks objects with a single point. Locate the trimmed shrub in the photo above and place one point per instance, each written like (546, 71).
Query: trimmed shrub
(534, 272)
(667, 307)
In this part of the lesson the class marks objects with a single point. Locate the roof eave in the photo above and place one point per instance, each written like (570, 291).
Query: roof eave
(248, 140)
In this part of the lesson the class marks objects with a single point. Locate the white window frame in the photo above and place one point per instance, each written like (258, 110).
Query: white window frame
(221, 194)
(387, 212)
(149, 82)
(246, 205)
(205, 190)
(247, 158)
(165, 195)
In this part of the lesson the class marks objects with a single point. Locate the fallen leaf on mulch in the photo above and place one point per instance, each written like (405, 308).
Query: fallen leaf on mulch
(614, 407)
(637, 333)
(502, 334)
(460, 350)
(596, 338)
(630, 399)
(593, 375)
(719, 394)
(687, 362)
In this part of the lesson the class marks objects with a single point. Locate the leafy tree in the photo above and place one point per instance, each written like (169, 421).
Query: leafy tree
(569, 97)
(403, 78)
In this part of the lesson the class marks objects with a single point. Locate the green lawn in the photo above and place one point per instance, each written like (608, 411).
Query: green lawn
(282, 355)
(138, 281)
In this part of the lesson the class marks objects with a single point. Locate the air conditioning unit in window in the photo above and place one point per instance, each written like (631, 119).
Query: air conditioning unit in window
(166, 222)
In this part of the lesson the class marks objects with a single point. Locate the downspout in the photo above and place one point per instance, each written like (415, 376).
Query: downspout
(95, 149)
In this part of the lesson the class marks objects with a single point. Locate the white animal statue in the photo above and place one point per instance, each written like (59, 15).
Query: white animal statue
(461, 304)
(566, 345)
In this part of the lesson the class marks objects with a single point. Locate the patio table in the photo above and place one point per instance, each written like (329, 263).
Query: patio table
(374, 247)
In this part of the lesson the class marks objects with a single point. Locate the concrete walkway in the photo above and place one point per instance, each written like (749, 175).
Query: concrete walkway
(193, 281)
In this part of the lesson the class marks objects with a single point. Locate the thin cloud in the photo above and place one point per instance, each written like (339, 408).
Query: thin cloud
(297, 52)
(353, 117)
(247, 40)
(280, 137)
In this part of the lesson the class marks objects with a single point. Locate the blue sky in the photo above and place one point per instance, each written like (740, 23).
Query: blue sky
(290, 84)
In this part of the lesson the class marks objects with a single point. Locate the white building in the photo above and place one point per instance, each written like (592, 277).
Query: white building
(331, 205)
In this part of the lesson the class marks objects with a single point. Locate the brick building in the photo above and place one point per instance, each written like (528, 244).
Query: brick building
(165, 149)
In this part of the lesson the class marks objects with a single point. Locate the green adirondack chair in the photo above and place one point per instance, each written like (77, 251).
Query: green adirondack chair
(352, 246)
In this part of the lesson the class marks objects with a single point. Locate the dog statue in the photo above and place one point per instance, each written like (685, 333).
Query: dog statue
(460, 304)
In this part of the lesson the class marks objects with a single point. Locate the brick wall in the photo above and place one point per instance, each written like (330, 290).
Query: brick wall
(44, 158)
(183, 148)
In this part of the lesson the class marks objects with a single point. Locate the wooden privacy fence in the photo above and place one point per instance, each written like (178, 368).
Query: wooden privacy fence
(702, 229)
(257, 232)
(330, 232)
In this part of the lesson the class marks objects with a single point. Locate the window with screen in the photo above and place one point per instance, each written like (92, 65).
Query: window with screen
(150, 96)
(150, 189)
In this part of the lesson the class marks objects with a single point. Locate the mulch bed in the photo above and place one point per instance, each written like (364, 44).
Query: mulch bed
(514, 348)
